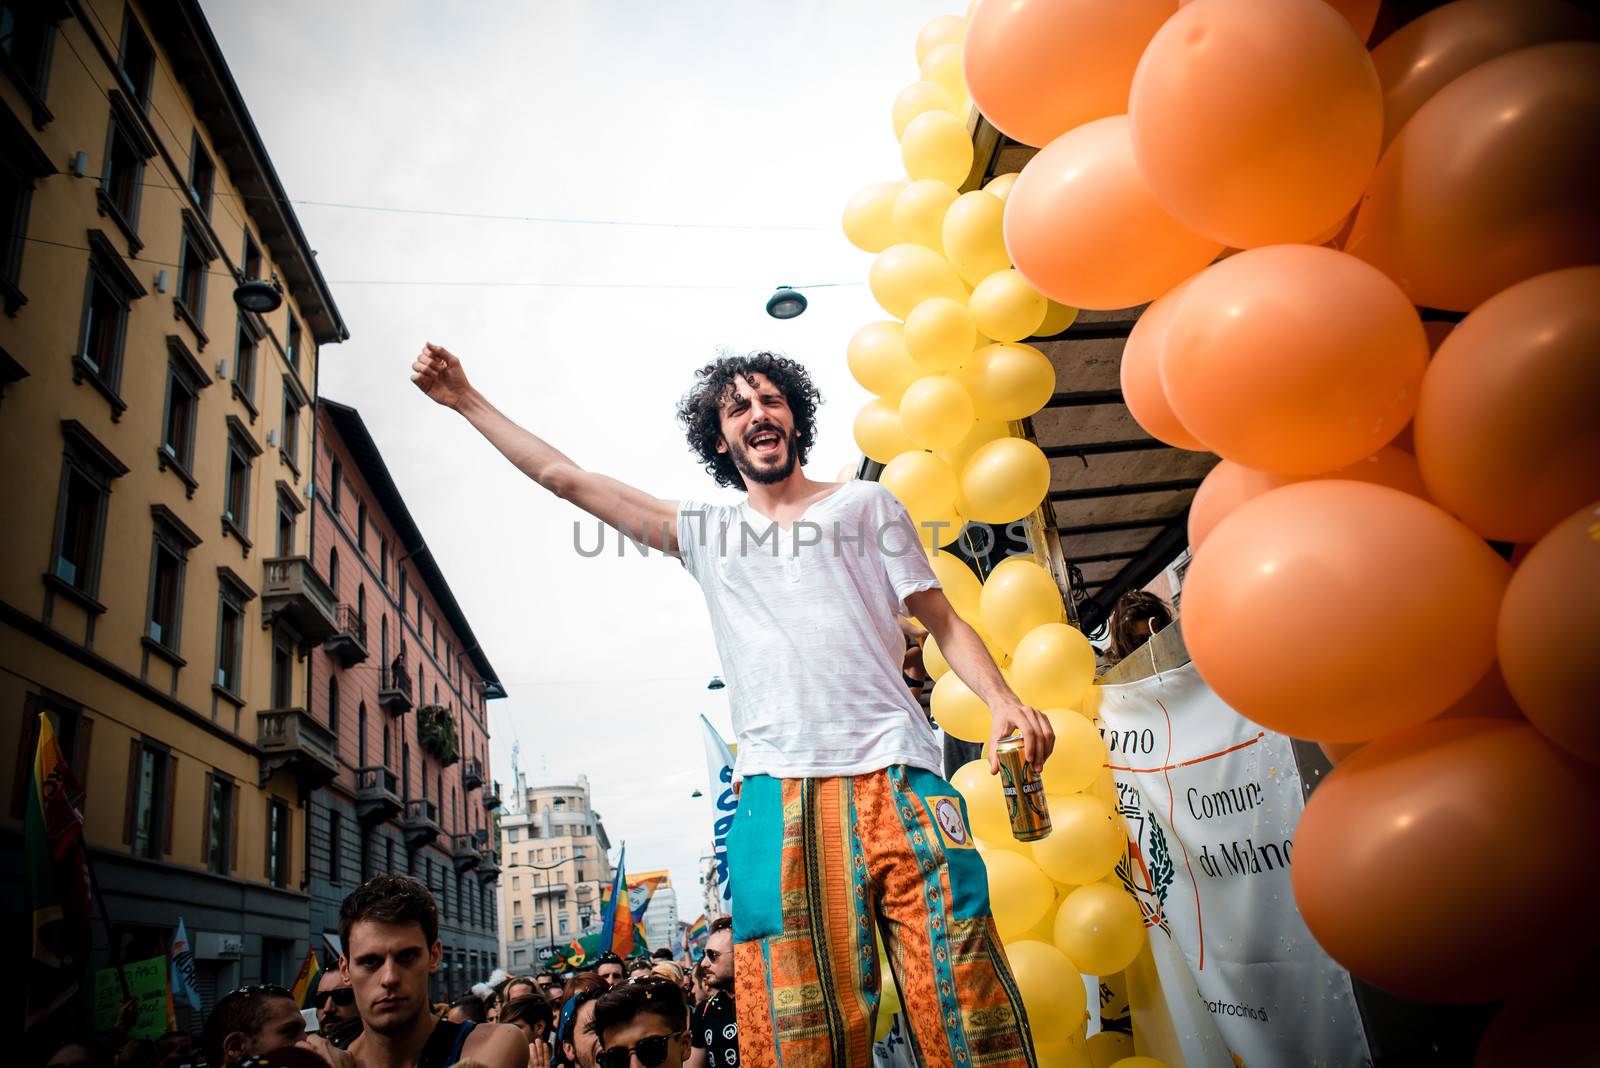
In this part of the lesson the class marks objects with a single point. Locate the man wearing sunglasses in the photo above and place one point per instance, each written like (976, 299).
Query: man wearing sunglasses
(249, 1021)
(642, 1023)
(713, 1026)
(335, 1002)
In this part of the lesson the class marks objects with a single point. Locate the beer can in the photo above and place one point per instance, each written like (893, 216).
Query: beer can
(1024, 792)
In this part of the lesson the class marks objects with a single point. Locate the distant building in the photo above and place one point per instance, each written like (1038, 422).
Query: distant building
(553, 847)
(402, 687)
(661, 916)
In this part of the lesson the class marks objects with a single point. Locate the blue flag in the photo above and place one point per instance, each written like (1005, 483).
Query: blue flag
(184, 990)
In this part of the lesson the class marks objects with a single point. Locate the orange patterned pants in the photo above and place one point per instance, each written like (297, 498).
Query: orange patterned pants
(817, 867)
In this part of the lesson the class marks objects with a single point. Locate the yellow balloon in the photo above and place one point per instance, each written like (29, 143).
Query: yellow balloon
(1018, 596)
(983, 431)
(1078, 756)
(1138, 1062)
(1051, 988)
(919, 212)
(905, 275)
(960, 585)
(879, 434)
(923, 482)
(1056, 319)
(939, 30)
(936, 145)
(917, 98)
(1004, 480)
(1007, 381)
(1072, 1052)
(1088, 705)
(1054, 667)
(1100, 929)
(986, 805)
(958, 710)
(1006, 307)
(941, 530)
(936, 412)
(869, 216)
(878, 360)
(1086, 841)
(972, 237)
(943, 65)
(933, 660)
(939, 334)
(1000, 186)
(1108, 1047)
(1005, 844)
(1019, 893)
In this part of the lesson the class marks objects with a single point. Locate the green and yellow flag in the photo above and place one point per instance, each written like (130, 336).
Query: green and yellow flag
(57, 878)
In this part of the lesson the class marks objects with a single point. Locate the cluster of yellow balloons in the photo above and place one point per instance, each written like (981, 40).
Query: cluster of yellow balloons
(948, 371)
(1286, 199)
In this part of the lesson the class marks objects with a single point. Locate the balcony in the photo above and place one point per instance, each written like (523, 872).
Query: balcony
(293, 592)
(420, 824)
(463, 852)
(436, 733)
(488, 864)
(471, 773)
(491, 795)
(349, 640)
(290, 739)
(394, 688)
(377, 797)
(550, 888)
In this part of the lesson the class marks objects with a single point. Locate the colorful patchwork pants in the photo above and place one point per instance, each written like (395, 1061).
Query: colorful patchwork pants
(817, 865)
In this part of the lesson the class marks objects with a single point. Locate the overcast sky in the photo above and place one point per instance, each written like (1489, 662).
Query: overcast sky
(735, 112)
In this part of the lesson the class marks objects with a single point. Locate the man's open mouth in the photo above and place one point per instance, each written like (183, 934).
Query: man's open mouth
(765, 442)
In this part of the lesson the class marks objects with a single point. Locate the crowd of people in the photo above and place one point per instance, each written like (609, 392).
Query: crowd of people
(373, 1010)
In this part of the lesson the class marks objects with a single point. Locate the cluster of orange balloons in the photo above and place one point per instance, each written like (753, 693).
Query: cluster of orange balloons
(1292, 205)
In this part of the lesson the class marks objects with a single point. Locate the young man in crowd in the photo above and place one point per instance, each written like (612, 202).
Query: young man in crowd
(608, 966)
(248, 1021)
(549, 988)
(579, 1043)
(713, 1027)
(642, 1023)
(467, 1007)
(389, 927)
(518, 986)
(805, 582)
(639, 968)
(335, 1002)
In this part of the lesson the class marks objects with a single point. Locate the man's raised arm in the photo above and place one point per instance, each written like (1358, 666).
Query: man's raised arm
(438, 373)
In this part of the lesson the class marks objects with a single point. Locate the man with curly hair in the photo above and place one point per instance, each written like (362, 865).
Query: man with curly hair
(844, 823)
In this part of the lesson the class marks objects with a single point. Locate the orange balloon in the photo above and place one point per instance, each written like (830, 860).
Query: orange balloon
(1494, 180)
(1360, 14)
(1296, 359)
(1229, 485)
(1142, 389)
(1082, 225)
(1256, 121)
(1435, 49)
(1507, 430)
(1550, 633)
(1431, 863)
(1037, 68)
(1278, 609)
(1488, 699)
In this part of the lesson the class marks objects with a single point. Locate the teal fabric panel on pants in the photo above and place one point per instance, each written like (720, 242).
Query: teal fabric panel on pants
(969, 878)
(755, 847)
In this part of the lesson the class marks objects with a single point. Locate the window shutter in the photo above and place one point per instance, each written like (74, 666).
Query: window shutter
(230, 848)
(266, 862)
(169, 804)
(205, 825)
(130, 809)
(27, 740)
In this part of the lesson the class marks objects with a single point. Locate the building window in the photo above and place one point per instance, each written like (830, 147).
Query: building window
(230, 640)
(516, 882)
(87, 472)
(565, 925)
(361, 609)
(136, 60)
(361, 526)
(22, 162)
(26, 34)
(335, 844)
(291, 428)
(172, 542)
(294, 344)
(516, 930)
(250, 262)
(361, 735)
(516, 907)
(194, 262)
(122, 175)
(402, 572)
(335, 488)
(202, 175)
(185, 379)
(246, 340)
(220, 814)
(386, 756)
(278, 843)
(109, 290)
(242, 451)
(282, 670)
(333, 705)
(383, 560)
(148, 818)
(333, 571)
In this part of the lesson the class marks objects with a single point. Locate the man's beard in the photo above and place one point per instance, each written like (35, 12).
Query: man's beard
(754, 472)
(722, 984)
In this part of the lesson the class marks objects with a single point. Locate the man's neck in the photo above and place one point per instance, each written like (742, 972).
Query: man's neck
(401, 1049)
(770, 498)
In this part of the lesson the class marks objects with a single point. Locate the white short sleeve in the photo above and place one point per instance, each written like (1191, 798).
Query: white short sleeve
(904, 559)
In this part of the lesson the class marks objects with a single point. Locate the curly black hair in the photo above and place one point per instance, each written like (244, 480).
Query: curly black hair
(700, 410)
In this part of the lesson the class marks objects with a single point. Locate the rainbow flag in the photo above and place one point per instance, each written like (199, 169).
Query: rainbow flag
(306, 982)
(694, 937)
(618, 938)
(57, 879)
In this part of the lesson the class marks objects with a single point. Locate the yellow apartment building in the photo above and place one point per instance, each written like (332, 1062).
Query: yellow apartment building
(156, 447)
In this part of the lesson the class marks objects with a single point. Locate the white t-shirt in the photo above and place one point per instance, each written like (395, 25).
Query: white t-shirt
(805, 624)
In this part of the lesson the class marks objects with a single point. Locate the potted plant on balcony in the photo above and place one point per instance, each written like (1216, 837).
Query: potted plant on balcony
(436, 730)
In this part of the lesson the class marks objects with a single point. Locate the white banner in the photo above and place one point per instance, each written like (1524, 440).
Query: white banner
(1212, 801)
(719, 766)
